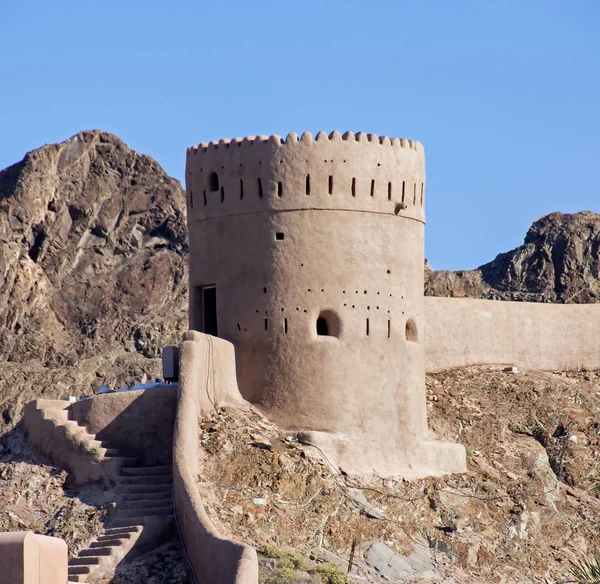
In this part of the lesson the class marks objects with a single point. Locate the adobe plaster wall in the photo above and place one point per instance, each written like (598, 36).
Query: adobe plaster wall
(207, 380)
(289, 231)
(138, 423)
(460, 331)
(28, 558)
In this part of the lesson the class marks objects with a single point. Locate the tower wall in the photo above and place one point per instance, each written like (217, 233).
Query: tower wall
(331, 228)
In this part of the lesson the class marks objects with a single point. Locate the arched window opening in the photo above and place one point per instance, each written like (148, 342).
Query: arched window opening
(328, 324)
(410, 331)
(213, 182)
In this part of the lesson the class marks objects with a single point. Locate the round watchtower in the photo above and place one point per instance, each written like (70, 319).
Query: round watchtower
(307, 254)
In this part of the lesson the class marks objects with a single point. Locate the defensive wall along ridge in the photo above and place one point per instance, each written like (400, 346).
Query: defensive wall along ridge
(535, 336)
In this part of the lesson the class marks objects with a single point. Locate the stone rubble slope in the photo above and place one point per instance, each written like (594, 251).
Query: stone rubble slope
(527, 505)
(93, 269)
(558, 262)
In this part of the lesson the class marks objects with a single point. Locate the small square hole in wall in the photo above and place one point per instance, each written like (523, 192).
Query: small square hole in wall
(279, 236)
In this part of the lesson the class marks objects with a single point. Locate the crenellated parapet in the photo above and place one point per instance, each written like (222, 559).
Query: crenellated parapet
(351, 172)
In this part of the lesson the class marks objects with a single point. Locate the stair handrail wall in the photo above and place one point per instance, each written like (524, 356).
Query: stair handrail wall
(207, 380)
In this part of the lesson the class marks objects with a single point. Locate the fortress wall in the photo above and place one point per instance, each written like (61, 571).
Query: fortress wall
(460, 331)
(139, 423)
(355, 172)
(207, 380)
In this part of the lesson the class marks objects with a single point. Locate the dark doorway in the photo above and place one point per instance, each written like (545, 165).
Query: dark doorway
(209, 310)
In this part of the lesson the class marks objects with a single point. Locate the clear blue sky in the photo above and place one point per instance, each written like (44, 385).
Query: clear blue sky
(504, 94)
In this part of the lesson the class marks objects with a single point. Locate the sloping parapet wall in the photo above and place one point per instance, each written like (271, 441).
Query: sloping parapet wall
(139, 423)
(28, 558)
(207, 380)
(461, 331)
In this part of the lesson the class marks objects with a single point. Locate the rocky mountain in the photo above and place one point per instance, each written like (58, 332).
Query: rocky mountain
(93, 268)
(558, 262)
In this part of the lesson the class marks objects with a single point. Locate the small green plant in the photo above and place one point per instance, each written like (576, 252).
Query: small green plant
(287, 565)
(270, 551)
(331, 573)
(585, 570)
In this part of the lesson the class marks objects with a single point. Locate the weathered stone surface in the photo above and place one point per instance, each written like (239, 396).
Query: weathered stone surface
(558, 262)
(93, 268)
(396, 567)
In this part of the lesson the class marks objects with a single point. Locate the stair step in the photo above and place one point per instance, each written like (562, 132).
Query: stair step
(166, 479)
(127, 498)
(145, 503)
(109, 542)
(79, 570)
(110, 452)
(125, 461)
(99, 551)
(125, 530)
(85, 561)
(136, 471)
(127, 522)
(77, 579)
(145, 512)
(142, 489)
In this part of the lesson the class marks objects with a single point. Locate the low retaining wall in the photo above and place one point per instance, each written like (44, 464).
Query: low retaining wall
(138, 423)
(462, 331)
(207, 380)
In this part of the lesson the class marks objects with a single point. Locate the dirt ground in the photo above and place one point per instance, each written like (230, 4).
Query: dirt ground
(526, 506)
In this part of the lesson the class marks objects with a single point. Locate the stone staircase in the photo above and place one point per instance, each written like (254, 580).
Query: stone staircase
(143, 516)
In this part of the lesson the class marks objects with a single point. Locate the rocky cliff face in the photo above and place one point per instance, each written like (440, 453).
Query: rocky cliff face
(93, 268)
(559, 262)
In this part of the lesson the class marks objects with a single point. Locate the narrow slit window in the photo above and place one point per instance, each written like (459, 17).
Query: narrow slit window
(403, 190)
(280, 189)
(389, 328)
(239, 327)
(285, 326)
(367, 327)
(415, 194)
(260, 190)
(389, 191)
(213, 182)
(330, 184)
(354, 187)
(241, 189)
(422, 187)
(372, 187)
(204, 196)
(308, 184)
(222, 193)
(266, 323)
(191, 199)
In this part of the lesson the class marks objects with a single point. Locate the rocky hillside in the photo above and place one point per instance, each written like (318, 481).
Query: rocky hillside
(93, 280)
(527, 505)
(559, 262)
